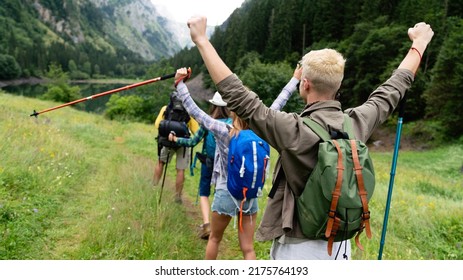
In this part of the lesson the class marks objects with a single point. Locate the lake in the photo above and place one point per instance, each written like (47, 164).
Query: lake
(97, 105)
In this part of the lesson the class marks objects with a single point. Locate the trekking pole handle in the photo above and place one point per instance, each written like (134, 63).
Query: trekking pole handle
(402, 107)
(168, 76)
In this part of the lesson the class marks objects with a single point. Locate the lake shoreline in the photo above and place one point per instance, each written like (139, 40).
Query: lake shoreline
(22, 81)
(38, 80)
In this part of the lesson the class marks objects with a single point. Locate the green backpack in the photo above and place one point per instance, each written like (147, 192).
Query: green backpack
(334, 203)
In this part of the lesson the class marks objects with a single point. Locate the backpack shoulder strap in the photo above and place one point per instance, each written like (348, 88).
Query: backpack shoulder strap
(348, 127)
(318, 129)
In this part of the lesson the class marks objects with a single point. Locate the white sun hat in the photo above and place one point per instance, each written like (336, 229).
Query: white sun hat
(217, 100)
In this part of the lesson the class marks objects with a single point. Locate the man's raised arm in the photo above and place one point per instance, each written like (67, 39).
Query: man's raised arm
(218, 70)
(420, 35)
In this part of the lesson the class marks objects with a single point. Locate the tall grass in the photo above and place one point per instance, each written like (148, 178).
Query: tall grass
(76, 186)
(426, 207)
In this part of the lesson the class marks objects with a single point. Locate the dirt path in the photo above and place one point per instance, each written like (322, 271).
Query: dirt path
(383, 140)
(228, 249)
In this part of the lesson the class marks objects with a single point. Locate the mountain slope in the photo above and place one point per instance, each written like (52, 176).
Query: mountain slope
(134, 24)
(100, 36)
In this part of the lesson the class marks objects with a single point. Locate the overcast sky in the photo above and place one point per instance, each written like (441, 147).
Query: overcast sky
(216, 11)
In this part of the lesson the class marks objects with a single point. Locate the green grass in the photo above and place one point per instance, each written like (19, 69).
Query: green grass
(426, 207)
(75, 186)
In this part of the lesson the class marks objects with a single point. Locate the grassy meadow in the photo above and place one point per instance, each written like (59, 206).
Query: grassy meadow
(74, 185)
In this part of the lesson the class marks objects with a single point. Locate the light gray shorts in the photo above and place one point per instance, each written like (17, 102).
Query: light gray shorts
(289, 248)
(182, 154)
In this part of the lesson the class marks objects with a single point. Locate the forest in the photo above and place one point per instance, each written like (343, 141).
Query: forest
(84, 39)
(264, 39)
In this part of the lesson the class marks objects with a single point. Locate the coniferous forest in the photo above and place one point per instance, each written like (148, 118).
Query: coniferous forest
(372, 35)
(264, 39)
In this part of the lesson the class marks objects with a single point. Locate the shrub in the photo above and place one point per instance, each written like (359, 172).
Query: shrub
(9, 68)
(62, 93)
(124, 107)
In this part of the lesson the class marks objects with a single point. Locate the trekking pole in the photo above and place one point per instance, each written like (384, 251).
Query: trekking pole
(35, 113)
(164, 175)
(391, 180)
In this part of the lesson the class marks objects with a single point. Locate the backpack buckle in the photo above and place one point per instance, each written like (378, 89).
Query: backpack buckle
(366, 215)
(335, 134)
(332, 214)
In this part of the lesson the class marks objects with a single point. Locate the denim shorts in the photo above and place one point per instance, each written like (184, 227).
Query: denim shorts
(225, 204)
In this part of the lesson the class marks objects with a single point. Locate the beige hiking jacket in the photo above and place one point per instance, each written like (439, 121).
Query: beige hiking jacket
(297, 144)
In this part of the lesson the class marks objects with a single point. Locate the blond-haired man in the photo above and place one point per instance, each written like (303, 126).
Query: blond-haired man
(297, 144)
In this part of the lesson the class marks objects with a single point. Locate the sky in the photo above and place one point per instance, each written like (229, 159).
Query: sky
(216, 11)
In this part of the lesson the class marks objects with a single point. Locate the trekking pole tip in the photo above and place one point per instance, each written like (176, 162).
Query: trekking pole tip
(35, 114)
